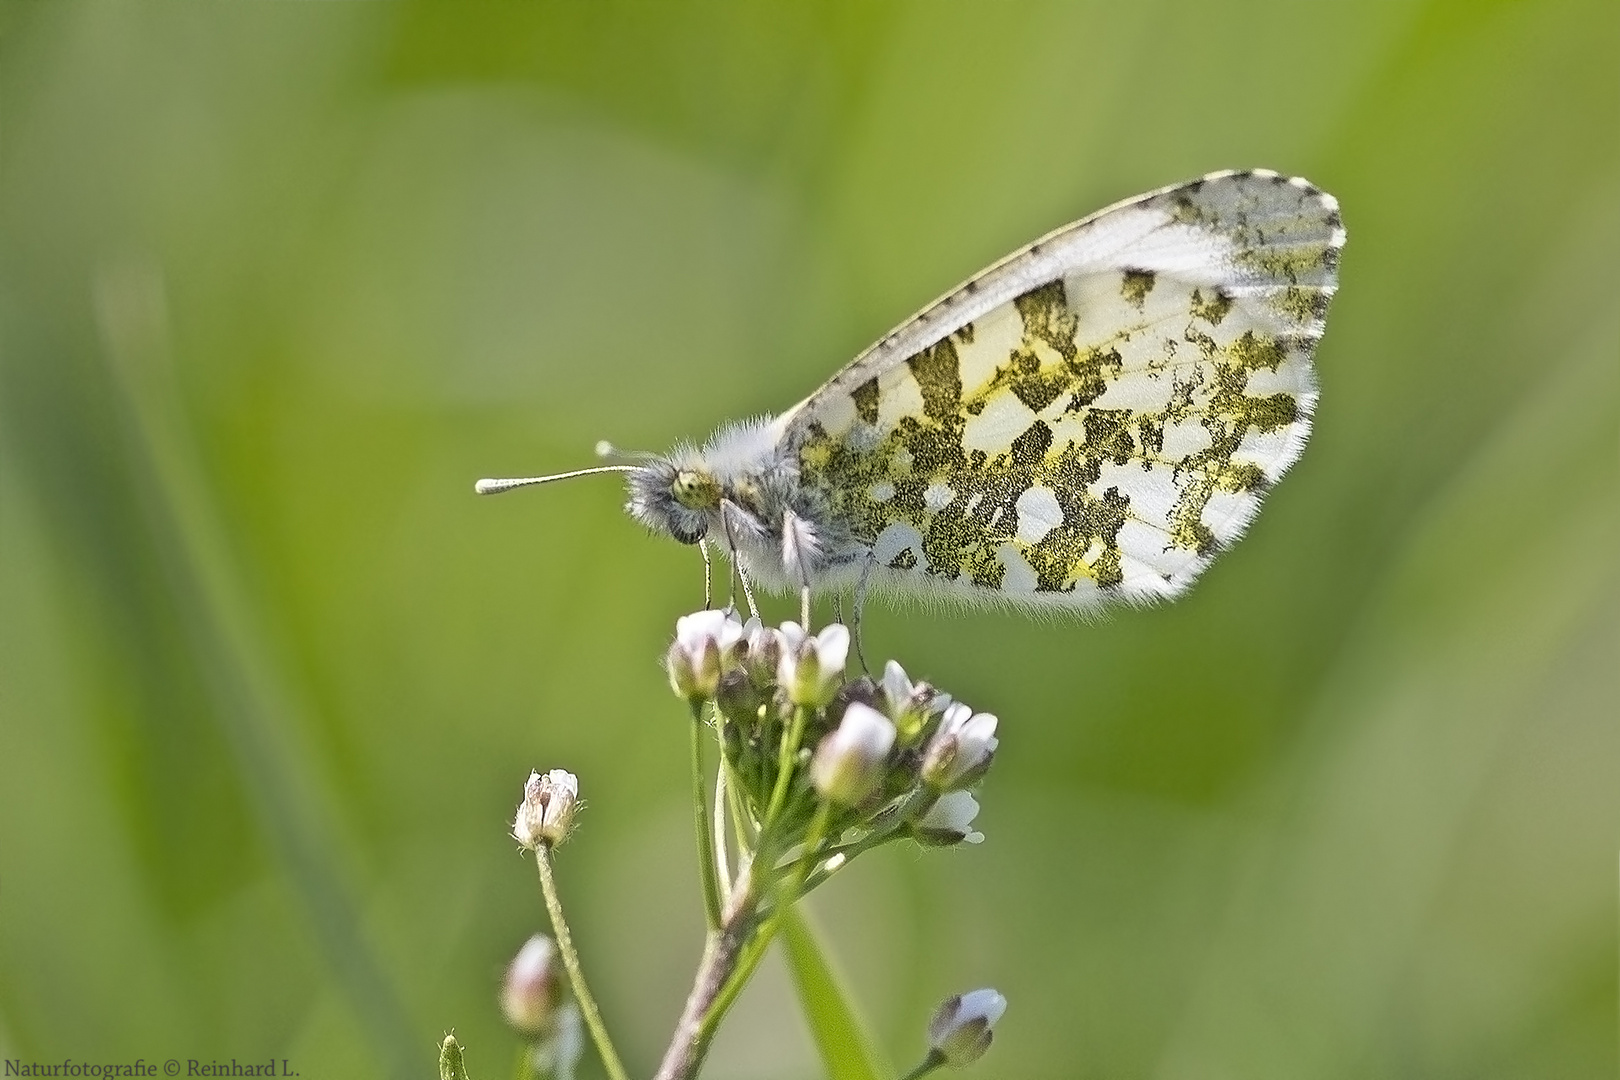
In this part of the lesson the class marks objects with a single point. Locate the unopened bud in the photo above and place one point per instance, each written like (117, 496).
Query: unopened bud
(850, 761)
(546, 813)
(960, 1031)
(532, 987)
(452, 1065)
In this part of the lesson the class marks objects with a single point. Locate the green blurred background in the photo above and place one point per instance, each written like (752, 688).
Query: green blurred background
(280, 281)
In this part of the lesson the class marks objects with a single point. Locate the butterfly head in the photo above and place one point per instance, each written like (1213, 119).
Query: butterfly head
(679, 500)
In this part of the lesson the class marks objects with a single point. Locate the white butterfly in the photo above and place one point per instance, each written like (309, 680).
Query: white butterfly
(1091, 419)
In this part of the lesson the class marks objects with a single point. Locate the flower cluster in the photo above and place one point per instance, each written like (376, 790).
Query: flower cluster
(873, 759)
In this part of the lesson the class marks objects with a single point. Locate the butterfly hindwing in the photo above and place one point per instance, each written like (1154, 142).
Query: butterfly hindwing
(1094, 417)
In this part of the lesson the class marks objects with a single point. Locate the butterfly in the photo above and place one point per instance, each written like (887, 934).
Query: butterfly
(1090, 420)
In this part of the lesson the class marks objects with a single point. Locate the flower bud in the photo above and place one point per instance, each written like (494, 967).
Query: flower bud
(704, 642)
(960, 1031)
(849, 762)
(546, 813)
(738, 698)
(949, 821)
(532, 988)
(452, 1064)
(961, 750)
(811, 667)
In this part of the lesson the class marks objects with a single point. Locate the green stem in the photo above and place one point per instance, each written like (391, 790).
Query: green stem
(576, 974)
(753, 951)
(705, 841)
(928, 1064)
(523, 1068)
(785, 759)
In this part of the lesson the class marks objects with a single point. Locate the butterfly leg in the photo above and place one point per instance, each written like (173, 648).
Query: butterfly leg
(748, 593)
(727, 511)
(708, 575)
(859, 605)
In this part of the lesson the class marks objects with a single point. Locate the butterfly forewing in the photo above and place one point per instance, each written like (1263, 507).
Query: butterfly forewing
(1096, 415)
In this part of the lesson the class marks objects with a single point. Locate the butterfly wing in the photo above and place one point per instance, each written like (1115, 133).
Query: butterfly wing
(1095, 416)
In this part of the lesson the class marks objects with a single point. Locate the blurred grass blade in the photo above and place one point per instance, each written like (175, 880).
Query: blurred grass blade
(251, 699)
(846, 1049)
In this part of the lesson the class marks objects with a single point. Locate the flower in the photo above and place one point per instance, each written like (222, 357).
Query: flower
(961, 750)
(703, 643)
(762, 652)
(546, 813)
(949, 821)
(960, 1031)
(532, 987)
(812, 666)
(849, 762)
(910, 705)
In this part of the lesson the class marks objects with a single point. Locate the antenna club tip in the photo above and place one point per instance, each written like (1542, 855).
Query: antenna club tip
(487, 487)
(605, 449)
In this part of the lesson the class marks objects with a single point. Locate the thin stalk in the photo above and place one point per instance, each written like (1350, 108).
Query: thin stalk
(706, 868)
(928, 1064)
(754, 951)
(785, 760)
(722, 863)
(576, 974)
(716, 972)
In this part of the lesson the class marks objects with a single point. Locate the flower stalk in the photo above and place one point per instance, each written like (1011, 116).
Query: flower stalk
(814, 770)
(576, 973)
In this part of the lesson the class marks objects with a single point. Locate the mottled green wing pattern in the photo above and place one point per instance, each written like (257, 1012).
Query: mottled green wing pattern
(1094, 417)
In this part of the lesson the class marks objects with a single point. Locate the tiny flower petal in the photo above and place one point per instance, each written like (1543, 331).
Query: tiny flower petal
(706, 642)
(849, 762)
(950, 821)
(811, 667)
(961, 750)
(960, 1031)
(763, 652)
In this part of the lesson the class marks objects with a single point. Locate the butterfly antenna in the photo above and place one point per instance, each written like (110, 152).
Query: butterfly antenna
(605, 450)
(496, 486)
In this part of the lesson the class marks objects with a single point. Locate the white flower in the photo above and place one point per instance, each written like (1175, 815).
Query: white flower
(960, 751)
(849, 762)
(911, 705)
(532, 986)
(762, 651)
(811, 667)
(699, 653)
(950, 821)
(960, 1031)
(546, 813)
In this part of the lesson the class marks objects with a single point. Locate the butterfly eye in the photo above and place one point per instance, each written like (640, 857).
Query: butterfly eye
(695, 491)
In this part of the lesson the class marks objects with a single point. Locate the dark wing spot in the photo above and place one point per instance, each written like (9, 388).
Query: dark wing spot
(939, 376)
(866, 400)
(1030, 448)
(1135, 285)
